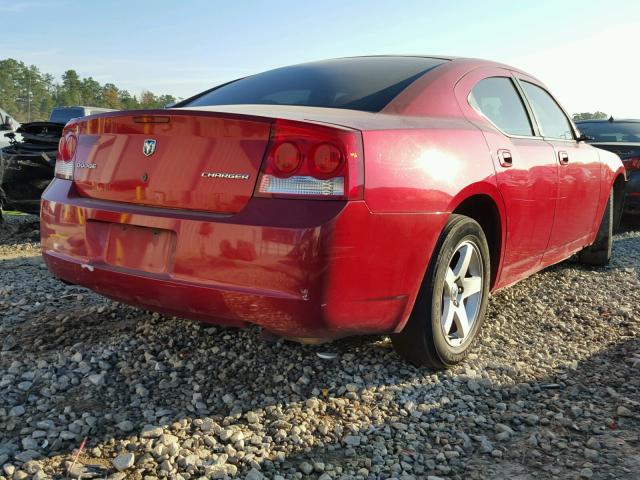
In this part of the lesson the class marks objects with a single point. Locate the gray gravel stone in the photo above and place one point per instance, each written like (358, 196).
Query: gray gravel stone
(550, 391)
(151, 431)
(124, 461)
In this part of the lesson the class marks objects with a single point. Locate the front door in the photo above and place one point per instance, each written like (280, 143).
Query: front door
(578, 175)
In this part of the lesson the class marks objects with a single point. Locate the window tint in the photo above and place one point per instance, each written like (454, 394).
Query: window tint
(551, 119)
(63, 115)
(362, 83)
(497, 99)
(611, 131)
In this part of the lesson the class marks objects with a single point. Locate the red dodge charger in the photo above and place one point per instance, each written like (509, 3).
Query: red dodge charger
(368, 195)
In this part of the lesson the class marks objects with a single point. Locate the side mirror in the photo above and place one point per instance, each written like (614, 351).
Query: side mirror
(584, 138)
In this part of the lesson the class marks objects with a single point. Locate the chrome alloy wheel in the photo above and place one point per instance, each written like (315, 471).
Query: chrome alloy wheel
(462, 293)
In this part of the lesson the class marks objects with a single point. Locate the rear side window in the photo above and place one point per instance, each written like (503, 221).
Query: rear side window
(552, 121)
(611, 131)
(63, 115)
(497, 99)
(362, 83)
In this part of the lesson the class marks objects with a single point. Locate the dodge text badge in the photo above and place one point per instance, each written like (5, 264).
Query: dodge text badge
(148, 147)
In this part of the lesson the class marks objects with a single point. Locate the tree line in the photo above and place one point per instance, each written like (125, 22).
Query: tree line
(590, 116)
(28, 94)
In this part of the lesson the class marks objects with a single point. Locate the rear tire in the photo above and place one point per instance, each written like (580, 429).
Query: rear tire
(455, 287)
(599, 252)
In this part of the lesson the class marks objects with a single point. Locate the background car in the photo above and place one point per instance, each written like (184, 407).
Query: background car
(620, 136)
(28, 159)
(7, 125)
(65, 113)
(368, 195)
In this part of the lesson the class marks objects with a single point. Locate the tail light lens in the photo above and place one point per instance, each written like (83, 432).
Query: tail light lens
(64, 159)
(312, 161)
(286, 158)
(631, 163)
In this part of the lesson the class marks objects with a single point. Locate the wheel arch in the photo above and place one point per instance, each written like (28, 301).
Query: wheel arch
(485, 209)
(482, 202)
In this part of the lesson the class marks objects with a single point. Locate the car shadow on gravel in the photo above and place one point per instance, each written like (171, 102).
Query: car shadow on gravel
(585, 416)
(444, 423)
(101, 370)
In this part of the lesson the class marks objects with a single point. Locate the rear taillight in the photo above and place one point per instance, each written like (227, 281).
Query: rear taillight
(312, 161)
(632, 163)
(64, 158)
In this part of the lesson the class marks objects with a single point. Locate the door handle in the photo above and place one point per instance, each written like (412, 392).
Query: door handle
(505, 158)
(563, 157)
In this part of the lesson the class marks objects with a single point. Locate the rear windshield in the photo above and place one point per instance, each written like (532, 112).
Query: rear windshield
(615, 132)
(63, 115)
(364, 83)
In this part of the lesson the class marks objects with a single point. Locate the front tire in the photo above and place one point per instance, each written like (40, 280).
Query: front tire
(452, 301)
(599, 252)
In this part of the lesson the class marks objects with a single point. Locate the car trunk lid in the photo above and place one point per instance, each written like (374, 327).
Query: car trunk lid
(206, 161)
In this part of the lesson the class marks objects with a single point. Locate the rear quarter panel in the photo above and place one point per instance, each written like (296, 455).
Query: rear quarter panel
(414, 179)
(428, 170)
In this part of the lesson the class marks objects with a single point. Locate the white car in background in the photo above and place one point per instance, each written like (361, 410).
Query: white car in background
(7, 125)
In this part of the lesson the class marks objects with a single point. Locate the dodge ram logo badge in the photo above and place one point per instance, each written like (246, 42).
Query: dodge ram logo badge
(148, 147)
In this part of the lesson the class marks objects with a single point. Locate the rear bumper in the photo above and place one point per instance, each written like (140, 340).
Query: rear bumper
(301, 269)
(632, 190)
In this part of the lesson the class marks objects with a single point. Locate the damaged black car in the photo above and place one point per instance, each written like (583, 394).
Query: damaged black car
(27, 163)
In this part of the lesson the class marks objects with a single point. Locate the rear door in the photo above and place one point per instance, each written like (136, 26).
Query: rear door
(525, 165)
(578, 174)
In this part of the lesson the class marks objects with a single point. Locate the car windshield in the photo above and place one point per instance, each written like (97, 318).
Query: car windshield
(615, 132)
(361, 83)
(63, 115)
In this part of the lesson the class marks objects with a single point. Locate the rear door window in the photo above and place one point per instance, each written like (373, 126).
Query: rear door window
(551, 119)
(497, 99)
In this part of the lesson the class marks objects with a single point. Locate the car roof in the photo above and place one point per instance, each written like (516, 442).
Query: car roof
(610, 120)
(85, 107)
(466, 62)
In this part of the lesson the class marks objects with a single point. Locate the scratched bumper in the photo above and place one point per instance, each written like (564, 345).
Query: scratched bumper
(297, 268)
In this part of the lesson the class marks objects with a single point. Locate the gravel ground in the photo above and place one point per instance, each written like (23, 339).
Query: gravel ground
(551, 391)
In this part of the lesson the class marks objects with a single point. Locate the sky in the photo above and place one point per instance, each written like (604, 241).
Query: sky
(585, 51)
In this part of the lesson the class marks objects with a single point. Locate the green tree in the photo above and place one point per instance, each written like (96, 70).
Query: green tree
(91, 92)
(70, 92)
(111, 96)
(128, 101)
(165, 100)
(148, 100)
(28, 94)
(590, 116)
(25, 92)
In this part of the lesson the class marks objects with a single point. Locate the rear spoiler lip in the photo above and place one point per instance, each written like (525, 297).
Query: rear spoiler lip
(200, 113)
(168, 113)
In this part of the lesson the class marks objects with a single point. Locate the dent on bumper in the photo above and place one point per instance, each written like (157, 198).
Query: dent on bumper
(297, 268)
